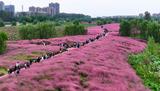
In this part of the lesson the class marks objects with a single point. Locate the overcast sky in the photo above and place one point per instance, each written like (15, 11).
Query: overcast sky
(94, 7)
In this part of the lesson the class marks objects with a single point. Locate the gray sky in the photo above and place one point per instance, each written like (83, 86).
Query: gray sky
(94, 7)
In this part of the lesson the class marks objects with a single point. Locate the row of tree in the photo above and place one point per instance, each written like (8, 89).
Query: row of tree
(41, 30)
(3, 38)
(46, 30)
(141, 28)
(59, 17)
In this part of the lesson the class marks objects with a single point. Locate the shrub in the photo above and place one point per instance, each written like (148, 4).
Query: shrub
(1, 23)
(14, 23)
(101, 22)
(147, 15)
(147, 65)
(3, 38)
(141, 29)
(38, 31)
(125, 28)
(24, 22)
(75, 29)
(76, 22)
(35, 21)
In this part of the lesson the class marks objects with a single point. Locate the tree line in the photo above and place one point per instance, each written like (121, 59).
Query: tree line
(44, 30)
(41, 30)
(75, 29)
(141, 29)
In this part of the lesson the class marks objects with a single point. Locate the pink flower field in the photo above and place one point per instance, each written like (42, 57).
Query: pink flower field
(98, 66)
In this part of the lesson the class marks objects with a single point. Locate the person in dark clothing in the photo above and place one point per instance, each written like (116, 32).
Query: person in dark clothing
(61, 50)
(17, 68)
(65, 45)
(27, 65)
(38, 59)
(82, 44)
(78, 45)
(101, 26)
(106, 30)
(103, 34)
(97, 37)
(17, 72)
(49, 55)
(17, 65)
(74, 44)
(87, 41)
(65, 49)
(21, 66)
(31, 61)
(46, 56)
(91, 39)
(56, 52)
(11, 70)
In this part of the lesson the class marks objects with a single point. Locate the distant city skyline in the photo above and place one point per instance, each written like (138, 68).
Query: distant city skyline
(52, 9)
(8, 8)
(93, 8)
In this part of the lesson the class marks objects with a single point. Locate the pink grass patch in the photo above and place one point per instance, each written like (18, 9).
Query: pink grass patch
(98, 66)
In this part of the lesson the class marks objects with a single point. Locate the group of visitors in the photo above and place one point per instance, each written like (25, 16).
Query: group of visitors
(63, 47)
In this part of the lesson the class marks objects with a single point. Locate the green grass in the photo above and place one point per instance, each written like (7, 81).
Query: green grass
(24, 57)
(38, 53)
(21, 57)
(147, 65)
(3, 71)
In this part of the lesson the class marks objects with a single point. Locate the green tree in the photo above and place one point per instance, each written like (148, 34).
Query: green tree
(38, 31)
(76, 22)
(147, 15)
(74, 29)
(3, 38)
(125, 28)
(14, 23)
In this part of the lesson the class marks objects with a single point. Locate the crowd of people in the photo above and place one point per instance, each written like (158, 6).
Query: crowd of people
(63, 47)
